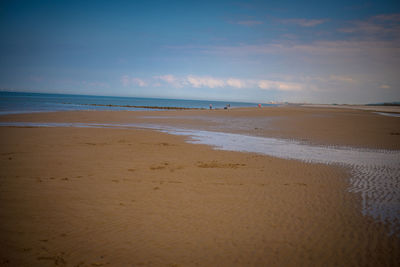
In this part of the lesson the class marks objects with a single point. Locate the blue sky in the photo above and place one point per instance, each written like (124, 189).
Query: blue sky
(259, 51)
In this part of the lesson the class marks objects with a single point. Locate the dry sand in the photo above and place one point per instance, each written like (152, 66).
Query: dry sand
(113, 197)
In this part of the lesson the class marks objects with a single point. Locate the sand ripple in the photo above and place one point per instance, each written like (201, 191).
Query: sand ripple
(374, 173)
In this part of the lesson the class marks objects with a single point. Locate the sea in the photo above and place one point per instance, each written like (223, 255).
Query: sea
(18, 102)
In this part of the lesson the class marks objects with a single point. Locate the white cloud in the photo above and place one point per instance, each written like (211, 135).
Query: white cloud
(139, 82)
(202, 81)
(304, 22)
(385, 25)
(126, 81)
(372, 28)
(171, 80)
(156, 84)
(387, 17)
(278, 85)
(167, 78)
(213, 82)
(205, 82)
(238, 83)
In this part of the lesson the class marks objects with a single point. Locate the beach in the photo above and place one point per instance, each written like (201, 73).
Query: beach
(104, 196)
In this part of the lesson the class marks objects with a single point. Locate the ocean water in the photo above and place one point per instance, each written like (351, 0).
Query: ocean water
(13, 103)
(388, 114)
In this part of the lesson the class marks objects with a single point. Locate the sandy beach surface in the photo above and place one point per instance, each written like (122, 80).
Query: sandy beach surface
(315, 125)
(378, 108)
(139, 197)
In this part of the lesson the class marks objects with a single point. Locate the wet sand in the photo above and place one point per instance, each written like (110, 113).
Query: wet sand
(115, 197)
(378, 108)
(315, 125)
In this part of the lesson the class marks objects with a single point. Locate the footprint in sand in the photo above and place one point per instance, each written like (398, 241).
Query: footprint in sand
(298, 184)
(153, 168)
(159, 167)
(166, 165)
(165, 144)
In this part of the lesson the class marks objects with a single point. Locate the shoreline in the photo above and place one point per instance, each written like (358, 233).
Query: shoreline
(313, 125)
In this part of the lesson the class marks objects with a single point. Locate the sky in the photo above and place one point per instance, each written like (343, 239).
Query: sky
(249, 51)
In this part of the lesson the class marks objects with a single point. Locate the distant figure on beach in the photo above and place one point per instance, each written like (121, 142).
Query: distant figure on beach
(210, 106)
(259, 105)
